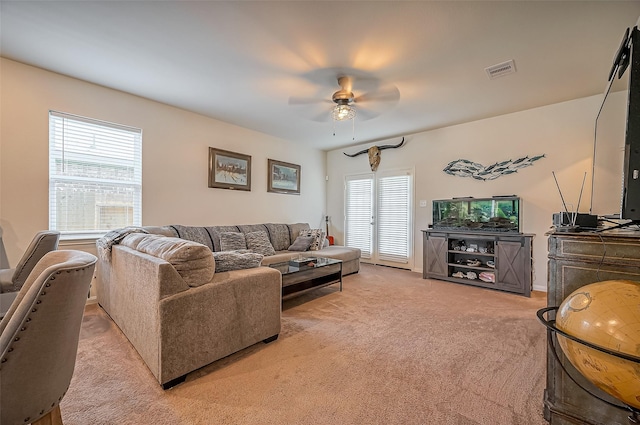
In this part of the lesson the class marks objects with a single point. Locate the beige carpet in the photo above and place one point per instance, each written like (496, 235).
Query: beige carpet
(392, 348)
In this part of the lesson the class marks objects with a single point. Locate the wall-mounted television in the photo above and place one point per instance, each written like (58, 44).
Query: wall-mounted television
(615, 185)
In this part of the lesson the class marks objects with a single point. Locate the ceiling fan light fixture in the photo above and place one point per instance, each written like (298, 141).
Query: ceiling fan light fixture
(343, 113)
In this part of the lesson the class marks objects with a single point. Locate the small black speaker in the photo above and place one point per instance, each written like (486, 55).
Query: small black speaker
(587, 221)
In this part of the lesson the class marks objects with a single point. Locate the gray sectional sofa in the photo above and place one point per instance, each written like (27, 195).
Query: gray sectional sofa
(280, 235)
(161, 287)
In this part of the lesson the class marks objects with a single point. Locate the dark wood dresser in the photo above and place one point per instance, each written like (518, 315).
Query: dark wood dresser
(575, 260)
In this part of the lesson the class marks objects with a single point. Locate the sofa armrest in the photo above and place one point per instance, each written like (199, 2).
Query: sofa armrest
(235, 310)
(137, 282)
(133, 274)
(148, 272)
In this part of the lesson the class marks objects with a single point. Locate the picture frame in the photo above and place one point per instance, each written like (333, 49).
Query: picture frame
(283, 177)
(229, 170)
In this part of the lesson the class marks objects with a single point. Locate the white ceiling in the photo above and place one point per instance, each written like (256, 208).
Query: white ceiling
(241, 61)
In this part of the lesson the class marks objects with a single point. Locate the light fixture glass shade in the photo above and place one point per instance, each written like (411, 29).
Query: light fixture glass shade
(343, 112)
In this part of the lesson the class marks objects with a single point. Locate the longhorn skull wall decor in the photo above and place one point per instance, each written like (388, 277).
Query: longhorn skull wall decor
(374, 153)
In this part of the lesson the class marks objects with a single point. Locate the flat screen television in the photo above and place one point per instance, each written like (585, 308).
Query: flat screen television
(615, 185)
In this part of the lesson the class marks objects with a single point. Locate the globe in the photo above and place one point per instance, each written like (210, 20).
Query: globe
(606, 314)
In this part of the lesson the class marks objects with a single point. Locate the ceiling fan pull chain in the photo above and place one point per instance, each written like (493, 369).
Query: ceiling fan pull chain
(353, 130)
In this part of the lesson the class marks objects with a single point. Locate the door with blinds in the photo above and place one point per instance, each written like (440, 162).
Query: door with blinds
(379, 217)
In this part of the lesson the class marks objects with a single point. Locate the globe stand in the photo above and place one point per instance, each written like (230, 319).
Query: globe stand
(634, 417)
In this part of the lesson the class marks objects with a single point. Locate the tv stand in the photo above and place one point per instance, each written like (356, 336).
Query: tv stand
(506, 255)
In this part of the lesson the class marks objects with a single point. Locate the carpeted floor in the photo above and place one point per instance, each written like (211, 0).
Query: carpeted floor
(391, 348)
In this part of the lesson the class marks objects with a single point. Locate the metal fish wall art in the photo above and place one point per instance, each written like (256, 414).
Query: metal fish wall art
(466, 168)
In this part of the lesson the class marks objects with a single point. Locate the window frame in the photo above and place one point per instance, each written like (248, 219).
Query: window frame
(117, 152)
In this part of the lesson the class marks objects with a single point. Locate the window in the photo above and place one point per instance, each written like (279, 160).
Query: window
(95, 176)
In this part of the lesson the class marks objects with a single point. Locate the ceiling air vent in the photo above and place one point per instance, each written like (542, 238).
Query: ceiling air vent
(501, 69)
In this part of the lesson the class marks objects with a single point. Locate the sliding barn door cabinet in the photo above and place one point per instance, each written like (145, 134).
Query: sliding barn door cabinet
(488, 259)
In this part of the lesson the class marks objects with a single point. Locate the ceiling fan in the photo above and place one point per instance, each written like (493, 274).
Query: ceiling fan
(371, 99)
(343, 99)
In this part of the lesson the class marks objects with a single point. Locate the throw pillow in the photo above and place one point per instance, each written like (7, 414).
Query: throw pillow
(193, 261)
(259, 243)
(232, 241)
(236, 260)
(318, 235)
(302, 243)
(294, 230)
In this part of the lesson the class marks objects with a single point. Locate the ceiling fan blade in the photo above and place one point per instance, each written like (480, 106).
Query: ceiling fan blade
(390, 94)
(372, 98)
(327, 77)
(307, 100)
(364, 114)
(322, 117)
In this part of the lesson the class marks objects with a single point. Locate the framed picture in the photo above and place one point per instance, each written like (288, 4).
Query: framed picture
(229, 170)
(283, 177)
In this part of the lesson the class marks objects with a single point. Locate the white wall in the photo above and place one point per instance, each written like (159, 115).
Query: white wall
(174, 159)
(175, 154)
(563, 132)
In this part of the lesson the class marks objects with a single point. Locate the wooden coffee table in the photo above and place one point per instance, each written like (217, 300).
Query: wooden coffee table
(311, 274)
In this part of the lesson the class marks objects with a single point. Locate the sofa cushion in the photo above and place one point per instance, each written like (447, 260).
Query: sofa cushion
(279, 236)
(302, 243)
(232, 241)
(161, 230)
(236, 260)
(294, 230)
(193, 261)
(246, 228)
(337, 252)
(279, 257)
(195, 234)
(105, 244)
(319, 238)
(259, 243)
(215, 231)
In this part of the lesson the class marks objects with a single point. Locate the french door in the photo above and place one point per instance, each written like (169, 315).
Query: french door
(379, 217)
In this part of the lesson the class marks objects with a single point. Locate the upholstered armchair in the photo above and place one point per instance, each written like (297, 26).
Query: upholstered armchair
(11, 280)
(39, 338)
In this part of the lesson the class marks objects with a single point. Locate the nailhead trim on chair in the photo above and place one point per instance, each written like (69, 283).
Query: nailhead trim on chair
(28, 319)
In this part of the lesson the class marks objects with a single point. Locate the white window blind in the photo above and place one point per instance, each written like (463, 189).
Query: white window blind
(95, 176)
(394, 218)
(359, 214)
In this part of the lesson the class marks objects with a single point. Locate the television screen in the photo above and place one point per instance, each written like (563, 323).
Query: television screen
(616, 161)
(609, 150)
